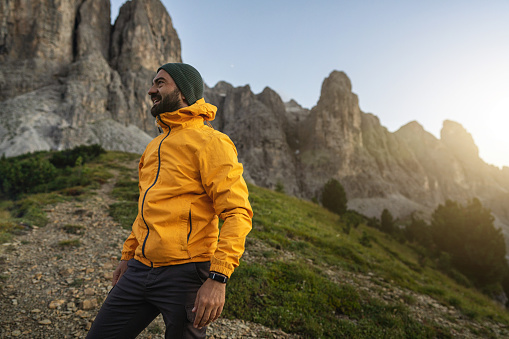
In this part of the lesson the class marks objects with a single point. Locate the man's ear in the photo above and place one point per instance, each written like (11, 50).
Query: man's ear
(184, 99)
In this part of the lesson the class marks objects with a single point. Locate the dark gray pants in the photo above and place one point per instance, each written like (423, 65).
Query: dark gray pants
(143, 292)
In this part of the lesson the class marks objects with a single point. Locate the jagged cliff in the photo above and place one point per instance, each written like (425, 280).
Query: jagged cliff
(68, 77)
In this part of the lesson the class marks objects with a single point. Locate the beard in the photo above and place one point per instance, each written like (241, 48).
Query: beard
(168, 103)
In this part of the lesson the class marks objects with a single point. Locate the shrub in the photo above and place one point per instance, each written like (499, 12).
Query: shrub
(280, 187)
(334, 197)
(387, 222)
(418, 231)
(70, 158)
(23, 175)
(365, 240)
(374, 222)
(353, 218)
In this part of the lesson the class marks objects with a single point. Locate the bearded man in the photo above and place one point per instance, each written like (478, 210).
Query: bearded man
(175, 262)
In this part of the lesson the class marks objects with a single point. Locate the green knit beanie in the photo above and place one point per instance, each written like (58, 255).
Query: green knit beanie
(187, 79)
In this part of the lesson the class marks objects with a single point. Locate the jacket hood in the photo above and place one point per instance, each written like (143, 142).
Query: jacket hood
(185, 116)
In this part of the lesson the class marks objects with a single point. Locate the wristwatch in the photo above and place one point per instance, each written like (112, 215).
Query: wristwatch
(218, 277)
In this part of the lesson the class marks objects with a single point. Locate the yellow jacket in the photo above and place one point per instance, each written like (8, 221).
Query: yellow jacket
(188, 176)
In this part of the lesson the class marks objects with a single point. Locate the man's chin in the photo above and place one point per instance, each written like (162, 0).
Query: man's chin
(154, 111)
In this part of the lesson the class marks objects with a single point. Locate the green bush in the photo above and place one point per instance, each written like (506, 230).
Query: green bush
(353, 218)
(365, 240)
(35, 173)
(334, 197)
(69, 158)
(387, 222)
(23, 175)
(280, 187)
(419, 232)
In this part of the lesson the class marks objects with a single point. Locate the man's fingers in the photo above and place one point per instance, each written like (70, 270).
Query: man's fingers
(198, 309)
(218, 313)
(205, 318)
(214, 315)
(119, 271)
(209, 303)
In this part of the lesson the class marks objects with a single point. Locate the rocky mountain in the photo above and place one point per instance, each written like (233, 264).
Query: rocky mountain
(407, 171)
(69, 77)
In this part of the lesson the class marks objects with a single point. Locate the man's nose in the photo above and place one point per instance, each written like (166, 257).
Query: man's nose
(152, 90)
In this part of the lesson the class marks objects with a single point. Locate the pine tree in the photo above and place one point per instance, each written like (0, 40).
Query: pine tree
(334, 197)
(467, 234)
(386, 222)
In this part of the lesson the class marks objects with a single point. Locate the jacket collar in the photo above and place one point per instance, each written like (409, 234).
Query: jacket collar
(189, 116)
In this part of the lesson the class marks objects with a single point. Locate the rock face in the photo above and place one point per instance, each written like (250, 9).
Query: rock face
(68, 77)
(256, 124)
(65, 82)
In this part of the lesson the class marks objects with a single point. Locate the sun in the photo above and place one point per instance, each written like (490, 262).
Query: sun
(492, 132)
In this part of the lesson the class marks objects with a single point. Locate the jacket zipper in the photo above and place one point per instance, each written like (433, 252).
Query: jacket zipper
(145, 195)
(190, 226)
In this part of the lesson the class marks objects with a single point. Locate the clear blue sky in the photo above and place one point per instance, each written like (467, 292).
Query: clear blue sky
(408, 60)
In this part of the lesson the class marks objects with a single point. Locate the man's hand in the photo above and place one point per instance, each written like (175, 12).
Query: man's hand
(119, 271)
(209, 303)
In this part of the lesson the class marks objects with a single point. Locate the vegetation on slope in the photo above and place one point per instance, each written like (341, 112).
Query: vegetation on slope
(304, 267)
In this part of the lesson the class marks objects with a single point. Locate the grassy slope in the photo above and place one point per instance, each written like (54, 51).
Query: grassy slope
(321, 242)
(303, 269)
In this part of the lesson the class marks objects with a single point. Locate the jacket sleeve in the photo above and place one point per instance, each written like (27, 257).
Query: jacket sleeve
(129, 247)
(221, 176)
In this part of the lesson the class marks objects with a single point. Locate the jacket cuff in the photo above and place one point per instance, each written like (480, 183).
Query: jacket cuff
(221, 266)
(127, 256)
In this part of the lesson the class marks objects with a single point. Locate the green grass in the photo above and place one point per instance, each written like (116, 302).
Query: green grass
(311, 232)
(126, 192)
(77, 283)
(69, 243)
(297, 298)
(124, 213)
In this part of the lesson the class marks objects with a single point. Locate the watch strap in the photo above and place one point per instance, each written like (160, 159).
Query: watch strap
(218, 277)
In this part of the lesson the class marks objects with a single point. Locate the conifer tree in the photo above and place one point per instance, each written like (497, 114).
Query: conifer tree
(386, 222)
(334, 197)
(467, 234)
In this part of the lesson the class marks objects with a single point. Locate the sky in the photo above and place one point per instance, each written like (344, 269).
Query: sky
(424, 61)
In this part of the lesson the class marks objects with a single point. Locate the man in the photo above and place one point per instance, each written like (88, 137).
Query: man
(175, 262)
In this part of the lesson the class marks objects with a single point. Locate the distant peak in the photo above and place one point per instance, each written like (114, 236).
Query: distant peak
(223, 85)
(339, 78)
(412, 125)
(293, 103)
(268, 90)
(336, 88)
(456, 137)
(454, 129)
